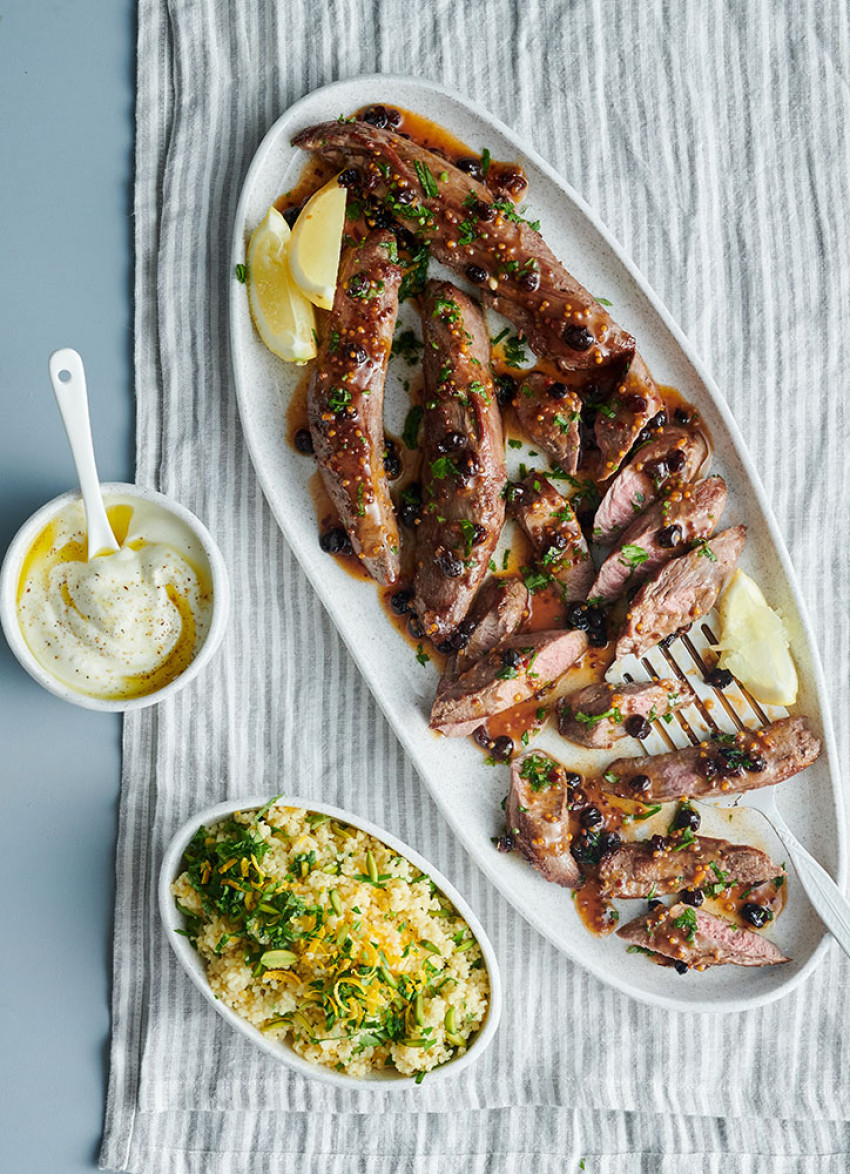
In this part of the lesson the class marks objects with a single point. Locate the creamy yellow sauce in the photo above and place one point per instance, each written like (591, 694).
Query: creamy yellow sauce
(122, 625)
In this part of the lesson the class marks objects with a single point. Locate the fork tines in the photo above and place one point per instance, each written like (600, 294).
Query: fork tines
(728, 710)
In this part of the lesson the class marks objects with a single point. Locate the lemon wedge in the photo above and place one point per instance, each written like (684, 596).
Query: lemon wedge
(285, 319)
(753, 643)
(314, 247)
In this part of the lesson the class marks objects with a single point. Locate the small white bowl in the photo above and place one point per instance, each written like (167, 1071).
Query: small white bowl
(10, 575)
(384, 1080)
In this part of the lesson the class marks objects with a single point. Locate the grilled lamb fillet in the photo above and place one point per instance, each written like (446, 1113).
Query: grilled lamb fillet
(695, 509)
(549, 414)
(680, 592)
(754, 758)
(635, 870)
(650, 700)
(495, 683)
(646, 477)
(559, 544)
(634, 402)
(345, 401)
(537, 817)
(464, 226)
(500, 607)
(463, 462)
(699, 939)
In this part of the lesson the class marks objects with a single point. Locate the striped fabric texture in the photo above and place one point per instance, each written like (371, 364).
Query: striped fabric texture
(714, 141)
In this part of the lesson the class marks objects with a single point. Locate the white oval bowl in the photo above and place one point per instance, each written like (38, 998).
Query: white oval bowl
(10, 574)
(383, 1081)
(468, 792)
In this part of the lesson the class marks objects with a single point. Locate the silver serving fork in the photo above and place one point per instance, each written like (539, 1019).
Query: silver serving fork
(729, 711)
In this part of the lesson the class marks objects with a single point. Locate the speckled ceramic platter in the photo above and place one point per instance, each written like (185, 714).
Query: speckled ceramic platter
(467, 790)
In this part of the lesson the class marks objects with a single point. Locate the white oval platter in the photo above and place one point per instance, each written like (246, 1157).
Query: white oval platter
(469, 792)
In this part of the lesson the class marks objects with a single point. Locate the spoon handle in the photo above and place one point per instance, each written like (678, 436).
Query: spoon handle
(69, 385)
(831, 906)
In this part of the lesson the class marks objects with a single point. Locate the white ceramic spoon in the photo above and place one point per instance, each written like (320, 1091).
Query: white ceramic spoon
(69, 385)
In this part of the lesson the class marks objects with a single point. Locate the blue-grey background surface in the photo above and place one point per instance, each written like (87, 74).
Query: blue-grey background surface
(66, 136)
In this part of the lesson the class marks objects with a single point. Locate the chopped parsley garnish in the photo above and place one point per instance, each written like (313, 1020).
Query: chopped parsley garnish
(534, 578)
(512, 443)
(514, 351)
(426, 179)
(510, 213)
(507, 673)
(443, 467)
(415, 275)
(468, 530)
(447, 309)
(485, 162)
(502, 333)
(408, 347)
(632, 556)
(241, 273)
(410, 432)
(539, 772)
(421, 656)
(704, 551)
(338, 398)
(565, 422)
(687, 922)
(648, 812)
(593, 719)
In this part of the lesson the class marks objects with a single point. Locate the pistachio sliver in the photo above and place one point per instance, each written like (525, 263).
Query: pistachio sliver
(278, 959)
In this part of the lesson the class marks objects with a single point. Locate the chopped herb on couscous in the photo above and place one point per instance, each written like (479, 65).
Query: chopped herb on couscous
(324, 937)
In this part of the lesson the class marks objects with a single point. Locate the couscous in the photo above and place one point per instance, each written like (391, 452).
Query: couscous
(324, 937)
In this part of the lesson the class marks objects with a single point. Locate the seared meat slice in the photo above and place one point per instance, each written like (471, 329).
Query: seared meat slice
(464, 227)
(699, 939)
(753, 758)
(538, 816)
(637, 869)
(345, 401)
(515, 670)
(629, 409)
(498, 611)
(680, 592)
(557, 538)
(598, 715)
(463, 462)
(549, 414)
(657, 535)
(675, 454)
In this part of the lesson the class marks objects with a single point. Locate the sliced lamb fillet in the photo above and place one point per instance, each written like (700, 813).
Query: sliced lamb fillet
(538, 814)
(699, 939)
(629, 409)
(722, 766)
(500, 607)
(519, 668)
(558, 316)
(598, 715)
(345, 401)
(641, 867)
(559, 544)
(463, 462)
(687, 514)
(673, 457)
(549, 413)
(680, 592)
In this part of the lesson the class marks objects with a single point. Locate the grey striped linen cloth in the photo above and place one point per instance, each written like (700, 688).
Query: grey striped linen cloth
(713, 141)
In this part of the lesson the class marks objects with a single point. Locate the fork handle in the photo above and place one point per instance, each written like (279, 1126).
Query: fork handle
(831, 906)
